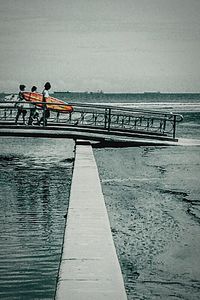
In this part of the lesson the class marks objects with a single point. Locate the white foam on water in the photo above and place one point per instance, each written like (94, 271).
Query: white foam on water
(187, 106)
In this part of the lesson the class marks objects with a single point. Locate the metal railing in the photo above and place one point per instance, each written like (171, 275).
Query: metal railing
(108, 118)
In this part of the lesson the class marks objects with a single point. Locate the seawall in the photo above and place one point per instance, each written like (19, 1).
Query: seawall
(89, 266)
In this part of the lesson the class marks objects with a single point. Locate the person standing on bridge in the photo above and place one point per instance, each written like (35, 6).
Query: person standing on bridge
(20, 105)
(33, 110)
(46, 112)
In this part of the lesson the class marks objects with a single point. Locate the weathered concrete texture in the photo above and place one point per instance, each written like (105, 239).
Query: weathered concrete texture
(89, 268)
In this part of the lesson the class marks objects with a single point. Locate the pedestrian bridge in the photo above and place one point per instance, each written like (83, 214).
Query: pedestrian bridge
(100, 123)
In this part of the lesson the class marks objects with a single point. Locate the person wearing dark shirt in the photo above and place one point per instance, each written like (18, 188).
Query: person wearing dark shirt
(20, 105)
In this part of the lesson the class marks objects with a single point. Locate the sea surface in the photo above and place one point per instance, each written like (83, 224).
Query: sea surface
(151, 193)
(35, 178)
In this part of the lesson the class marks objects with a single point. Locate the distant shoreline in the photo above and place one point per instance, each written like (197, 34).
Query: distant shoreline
(129, 93)
(116, 93)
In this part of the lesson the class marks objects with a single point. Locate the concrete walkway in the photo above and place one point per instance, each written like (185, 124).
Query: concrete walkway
(89, 267)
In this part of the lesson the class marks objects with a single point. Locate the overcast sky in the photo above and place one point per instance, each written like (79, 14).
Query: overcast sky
(109, 45)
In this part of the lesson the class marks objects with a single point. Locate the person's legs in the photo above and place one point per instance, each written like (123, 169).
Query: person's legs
(36, 117)
(19, 111)
(24, 112)
(30, 121)
(47, 115)
(41, 120)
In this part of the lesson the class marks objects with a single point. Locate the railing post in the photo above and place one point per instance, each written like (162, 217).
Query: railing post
(44, 115)
(109, 118)
(161, 126)
(123, 122)
(164, 124)
(57, 117)
(105, 116)
(95, 119)
(82, 117)
(135, 123)
(147, 124)
(174, 127)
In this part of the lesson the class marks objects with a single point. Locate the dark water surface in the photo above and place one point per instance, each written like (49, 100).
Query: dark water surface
(35, 178)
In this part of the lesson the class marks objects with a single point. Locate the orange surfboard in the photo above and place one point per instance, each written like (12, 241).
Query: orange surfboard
(36, 97)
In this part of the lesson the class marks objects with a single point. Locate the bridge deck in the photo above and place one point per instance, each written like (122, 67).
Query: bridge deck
(102, 137)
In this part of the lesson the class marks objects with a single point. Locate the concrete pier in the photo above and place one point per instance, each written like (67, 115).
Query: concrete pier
(89, 268)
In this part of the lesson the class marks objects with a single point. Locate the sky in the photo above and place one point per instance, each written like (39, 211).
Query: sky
(92, 45)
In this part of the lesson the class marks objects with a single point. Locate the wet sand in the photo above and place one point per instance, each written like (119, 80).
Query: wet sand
(152, 197)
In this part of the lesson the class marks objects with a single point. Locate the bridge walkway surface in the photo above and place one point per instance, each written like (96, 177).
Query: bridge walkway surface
(89, 267)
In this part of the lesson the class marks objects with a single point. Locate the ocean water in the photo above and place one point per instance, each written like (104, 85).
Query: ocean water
(35, 178)
(151, 193)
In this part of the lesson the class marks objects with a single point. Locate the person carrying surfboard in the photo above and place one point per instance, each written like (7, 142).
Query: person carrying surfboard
(46, 112)
(33, 110)
(20, 105)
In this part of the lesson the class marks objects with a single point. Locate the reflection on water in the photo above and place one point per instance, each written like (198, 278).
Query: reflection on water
(35, 177)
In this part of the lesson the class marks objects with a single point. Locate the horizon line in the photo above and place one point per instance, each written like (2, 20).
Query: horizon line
(103, 93)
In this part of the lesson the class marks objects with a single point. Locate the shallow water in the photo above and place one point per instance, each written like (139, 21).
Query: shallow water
(35, 177)
(152, 196)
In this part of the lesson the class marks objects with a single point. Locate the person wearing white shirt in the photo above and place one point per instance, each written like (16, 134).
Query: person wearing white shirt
(46, 113)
